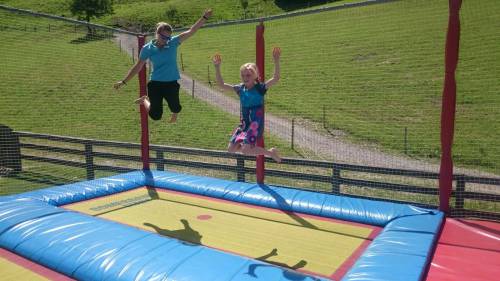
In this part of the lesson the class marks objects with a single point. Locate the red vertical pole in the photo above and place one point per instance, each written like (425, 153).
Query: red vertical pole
(260, 61)
(144, 115)
(448, 105)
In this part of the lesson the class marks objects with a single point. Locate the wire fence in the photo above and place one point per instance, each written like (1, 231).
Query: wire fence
(360, 90)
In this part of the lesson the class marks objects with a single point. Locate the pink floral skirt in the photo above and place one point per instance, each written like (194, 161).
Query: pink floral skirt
(251, 126)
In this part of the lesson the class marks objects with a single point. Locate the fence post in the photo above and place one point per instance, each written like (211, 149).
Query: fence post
(208, 75)
(459, 192)
(293, 132)
(324, 116)
(336, 179)
(10, 149)
(182, 63)
(240, 172)
(406, 141)
(192, 90)
(89, 161)
(159, 165)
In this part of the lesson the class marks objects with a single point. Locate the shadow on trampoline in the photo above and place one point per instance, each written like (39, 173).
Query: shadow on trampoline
(187, 234)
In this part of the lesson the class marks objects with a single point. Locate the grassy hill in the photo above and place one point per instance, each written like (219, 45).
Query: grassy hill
(143, 15)
(376, 72)
(63, 85)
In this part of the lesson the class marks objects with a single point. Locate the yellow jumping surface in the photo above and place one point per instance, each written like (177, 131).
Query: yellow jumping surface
(309, 244)
(16, 268)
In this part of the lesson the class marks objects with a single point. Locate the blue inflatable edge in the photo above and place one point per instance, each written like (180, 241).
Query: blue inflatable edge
(402, 250)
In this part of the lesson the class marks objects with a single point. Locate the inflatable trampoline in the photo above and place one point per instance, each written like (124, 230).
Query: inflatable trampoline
(152, 225)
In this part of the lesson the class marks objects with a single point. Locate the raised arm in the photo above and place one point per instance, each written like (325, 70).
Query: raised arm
(199, 23)
(276, 76)
(133, 71)
(220, 82)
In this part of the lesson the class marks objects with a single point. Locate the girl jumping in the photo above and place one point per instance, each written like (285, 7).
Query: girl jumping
(251, 93)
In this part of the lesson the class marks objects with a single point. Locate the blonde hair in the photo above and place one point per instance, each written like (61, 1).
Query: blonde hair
(163, 26)
(252, 67)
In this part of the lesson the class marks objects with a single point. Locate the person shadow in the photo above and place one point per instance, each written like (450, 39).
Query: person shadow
(286, 208)
(187, 235)
(287, 274)
(152, 193)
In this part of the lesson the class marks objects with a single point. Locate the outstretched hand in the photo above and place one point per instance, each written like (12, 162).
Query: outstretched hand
(276, 54)
(217, 60)
(118, 85)
(207, 13)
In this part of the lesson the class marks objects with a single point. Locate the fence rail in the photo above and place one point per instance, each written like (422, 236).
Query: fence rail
(335, 179)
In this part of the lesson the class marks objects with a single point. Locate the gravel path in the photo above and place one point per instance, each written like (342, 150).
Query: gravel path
(324, 146)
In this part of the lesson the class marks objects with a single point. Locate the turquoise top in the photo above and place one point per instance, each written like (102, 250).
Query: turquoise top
(164, 60)
(251, 97)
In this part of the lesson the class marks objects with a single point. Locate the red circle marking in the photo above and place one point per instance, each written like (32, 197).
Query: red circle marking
(204, 217)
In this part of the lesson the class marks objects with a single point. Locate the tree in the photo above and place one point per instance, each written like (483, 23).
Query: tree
(88, 9)
(244, 5)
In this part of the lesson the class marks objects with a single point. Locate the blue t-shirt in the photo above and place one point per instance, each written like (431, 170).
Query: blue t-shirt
(164, 60)
(251, 97)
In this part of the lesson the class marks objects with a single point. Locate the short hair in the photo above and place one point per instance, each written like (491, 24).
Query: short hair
(163, 26)
(252, 67)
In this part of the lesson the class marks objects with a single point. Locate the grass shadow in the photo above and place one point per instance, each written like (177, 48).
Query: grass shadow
(90, 37)
(42, 178)
(291, 5)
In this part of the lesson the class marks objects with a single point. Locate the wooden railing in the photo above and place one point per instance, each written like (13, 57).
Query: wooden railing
(335, 179)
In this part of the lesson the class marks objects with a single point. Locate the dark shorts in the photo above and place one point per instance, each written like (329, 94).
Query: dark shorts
(157, 91)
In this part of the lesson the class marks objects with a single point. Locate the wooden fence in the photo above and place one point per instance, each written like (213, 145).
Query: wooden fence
(336, 179)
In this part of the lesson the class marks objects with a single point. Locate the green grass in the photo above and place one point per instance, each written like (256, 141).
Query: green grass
(373, 71)
(143, 15)
(65, 88)
(62, 85)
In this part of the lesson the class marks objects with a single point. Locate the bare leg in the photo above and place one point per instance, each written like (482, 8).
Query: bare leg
(144, 100)
(276, 157)
(233, 147)
(173, 118)
(253, 150)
